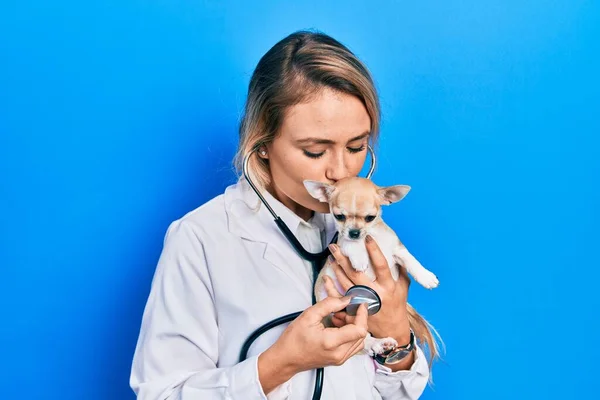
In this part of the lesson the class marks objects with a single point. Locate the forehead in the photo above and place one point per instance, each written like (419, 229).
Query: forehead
(329, 115)
(353, 202)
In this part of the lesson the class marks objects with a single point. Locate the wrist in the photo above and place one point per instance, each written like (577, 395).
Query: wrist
(278, 362)
(402, 334)
(399, 331)
(399, 357)
(405, 364)
(273, 370)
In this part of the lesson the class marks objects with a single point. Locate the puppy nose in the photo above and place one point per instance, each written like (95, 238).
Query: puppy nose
(354, 233)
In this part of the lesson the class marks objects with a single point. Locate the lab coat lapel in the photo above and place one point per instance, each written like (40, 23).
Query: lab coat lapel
(250, 220)
(330, 227)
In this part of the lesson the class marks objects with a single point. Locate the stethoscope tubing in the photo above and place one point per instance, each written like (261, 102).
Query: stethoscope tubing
(315, 258)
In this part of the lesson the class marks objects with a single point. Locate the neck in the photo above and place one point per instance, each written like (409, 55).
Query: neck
(296, 208)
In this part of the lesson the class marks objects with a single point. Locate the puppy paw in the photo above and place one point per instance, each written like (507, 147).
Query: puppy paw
(380, 346)
(427, 279)
(359, 263)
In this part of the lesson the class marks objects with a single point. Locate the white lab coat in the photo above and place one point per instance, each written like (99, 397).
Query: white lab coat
(226, 269)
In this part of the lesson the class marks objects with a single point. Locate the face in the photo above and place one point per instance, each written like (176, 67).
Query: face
(355, 208)
(356, 203)
(323, 140)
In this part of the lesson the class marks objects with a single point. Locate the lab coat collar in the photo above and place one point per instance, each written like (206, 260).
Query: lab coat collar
(248, 218)
(290, 218)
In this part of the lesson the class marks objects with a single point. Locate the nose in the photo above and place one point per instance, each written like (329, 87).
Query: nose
(337, 169)
(354, 233)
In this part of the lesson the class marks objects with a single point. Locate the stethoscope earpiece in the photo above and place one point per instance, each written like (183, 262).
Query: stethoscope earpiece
(246, 174)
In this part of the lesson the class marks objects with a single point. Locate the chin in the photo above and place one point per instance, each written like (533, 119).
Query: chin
(318, 206)
(314, 204)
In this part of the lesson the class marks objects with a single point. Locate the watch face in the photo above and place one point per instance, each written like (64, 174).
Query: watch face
(397, 356)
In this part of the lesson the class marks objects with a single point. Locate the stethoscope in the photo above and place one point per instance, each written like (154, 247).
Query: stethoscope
(359, 294)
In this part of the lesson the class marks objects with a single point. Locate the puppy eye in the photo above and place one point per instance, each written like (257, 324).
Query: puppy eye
(369, 218)
(340, 217)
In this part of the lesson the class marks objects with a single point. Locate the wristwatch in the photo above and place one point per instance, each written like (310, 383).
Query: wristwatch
(398, 353)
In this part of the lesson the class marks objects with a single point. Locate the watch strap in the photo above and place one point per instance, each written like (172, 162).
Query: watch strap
(398, 353)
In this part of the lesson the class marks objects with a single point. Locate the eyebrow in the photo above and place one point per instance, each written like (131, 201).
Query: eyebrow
(329, 141)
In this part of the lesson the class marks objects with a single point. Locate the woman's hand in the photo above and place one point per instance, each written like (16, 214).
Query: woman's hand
(307, 344)
(392, 318)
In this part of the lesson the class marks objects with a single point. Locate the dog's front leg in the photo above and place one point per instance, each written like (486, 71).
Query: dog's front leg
(426, 278)
(378, 346)
(357, 254)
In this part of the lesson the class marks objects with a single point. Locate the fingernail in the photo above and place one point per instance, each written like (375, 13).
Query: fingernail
(332, 248)
(368, 239)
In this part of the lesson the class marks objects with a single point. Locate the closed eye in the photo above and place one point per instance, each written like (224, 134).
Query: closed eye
(356, 149)
(351, 150)
(313, 155)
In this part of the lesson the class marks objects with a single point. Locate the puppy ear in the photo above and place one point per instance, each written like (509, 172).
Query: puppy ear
(392, 194)
(319, 190)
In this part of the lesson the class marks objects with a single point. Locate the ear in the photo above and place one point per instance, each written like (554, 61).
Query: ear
(319, 190)
(392, 194)
(263, 153)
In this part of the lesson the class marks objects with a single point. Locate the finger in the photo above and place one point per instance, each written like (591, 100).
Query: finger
(378, 261)
(361, 317)
(348, 350)
(330, 287)
(356, 277)
(403, 275)
(338, 322)
(346, 334)
(341, 315)
(358, 346)
(341, 276)
(350, 319)
(327, 306)
(352, 348)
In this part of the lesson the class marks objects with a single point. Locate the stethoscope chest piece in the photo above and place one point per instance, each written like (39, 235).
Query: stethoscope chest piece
(363, 294)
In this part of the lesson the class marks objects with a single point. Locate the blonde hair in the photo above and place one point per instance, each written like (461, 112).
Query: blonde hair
(293, 71)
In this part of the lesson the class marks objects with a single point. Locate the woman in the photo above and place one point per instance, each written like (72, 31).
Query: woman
(226, 269)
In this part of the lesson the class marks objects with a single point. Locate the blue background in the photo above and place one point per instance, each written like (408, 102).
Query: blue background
(117, 117)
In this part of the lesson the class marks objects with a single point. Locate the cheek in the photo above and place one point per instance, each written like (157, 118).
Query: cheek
(355, 163)
(289, 169)
(289, 162)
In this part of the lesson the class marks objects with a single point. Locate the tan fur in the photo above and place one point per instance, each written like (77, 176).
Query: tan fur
(357, 198)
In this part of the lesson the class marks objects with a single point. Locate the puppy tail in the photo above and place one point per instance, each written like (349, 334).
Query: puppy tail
(425, 334)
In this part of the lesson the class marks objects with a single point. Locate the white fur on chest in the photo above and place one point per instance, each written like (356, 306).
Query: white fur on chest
(395, 253)
(357, 252)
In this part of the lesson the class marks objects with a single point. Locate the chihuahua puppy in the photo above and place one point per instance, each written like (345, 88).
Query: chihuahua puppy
(356, 204)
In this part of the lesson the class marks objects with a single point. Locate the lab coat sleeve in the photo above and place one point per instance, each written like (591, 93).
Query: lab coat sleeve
(402, 385)
(177, 349)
